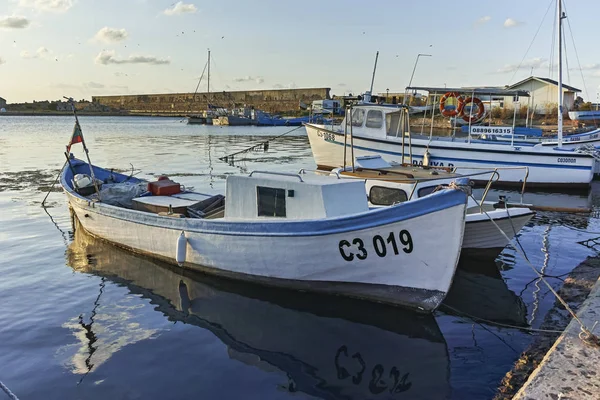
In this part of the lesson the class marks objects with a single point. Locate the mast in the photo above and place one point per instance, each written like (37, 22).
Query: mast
(208, 84)
(559, 15)
(374, 69)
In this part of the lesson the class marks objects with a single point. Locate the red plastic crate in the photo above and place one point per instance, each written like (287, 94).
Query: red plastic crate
(165, 187)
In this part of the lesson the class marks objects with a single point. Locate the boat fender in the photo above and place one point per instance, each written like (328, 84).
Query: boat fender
(426, 158)
(181, 249)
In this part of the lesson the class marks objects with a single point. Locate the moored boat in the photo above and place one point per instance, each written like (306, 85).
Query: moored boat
(305, 232)
(488, 227)
(375, 129)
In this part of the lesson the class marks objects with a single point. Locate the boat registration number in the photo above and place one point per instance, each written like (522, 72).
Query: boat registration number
(380, 246)
(328, 137)
(567, 160)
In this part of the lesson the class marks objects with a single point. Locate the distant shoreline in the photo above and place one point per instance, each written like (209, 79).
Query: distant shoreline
(85, 114)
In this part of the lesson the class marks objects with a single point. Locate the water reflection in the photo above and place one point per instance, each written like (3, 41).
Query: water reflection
(328, 347)
(479, 291)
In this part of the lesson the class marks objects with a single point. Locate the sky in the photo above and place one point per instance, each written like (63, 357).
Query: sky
(82, 48)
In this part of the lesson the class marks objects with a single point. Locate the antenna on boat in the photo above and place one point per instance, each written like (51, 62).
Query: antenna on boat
(560, 15)
(373, 77)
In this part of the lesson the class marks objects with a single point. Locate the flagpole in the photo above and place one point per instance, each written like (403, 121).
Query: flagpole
(85, 149)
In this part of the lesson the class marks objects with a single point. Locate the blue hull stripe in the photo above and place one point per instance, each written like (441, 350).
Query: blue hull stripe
(582, 167)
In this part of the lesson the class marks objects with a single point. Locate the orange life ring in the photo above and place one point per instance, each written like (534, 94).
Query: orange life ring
(480, 110)
(459, 107)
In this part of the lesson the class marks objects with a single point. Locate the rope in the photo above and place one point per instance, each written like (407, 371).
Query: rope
(532, 40)
(10, 394)
(262, 145)
(587, 332)
(195, 91)
(487, 321)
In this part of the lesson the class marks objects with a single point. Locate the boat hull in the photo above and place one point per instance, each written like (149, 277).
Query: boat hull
(347, 256)
(547, 168)
(482, 233)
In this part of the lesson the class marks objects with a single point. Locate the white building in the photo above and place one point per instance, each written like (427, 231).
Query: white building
(543, 94)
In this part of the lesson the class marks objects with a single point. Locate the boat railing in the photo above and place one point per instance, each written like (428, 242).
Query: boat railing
(277, 173)
(319, 172)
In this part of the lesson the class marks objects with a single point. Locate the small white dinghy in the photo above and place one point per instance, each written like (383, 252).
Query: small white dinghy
(388, 184)
(308, 232)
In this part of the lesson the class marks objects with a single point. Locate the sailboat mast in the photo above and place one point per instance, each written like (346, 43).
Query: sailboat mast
(560, 77)
(374, 69)
(208, 84)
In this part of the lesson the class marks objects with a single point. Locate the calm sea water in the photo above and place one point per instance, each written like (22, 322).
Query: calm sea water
(80, 319)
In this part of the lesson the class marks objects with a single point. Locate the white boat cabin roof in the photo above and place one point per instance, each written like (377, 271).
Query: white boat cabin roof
(377, 120)
(293, 196)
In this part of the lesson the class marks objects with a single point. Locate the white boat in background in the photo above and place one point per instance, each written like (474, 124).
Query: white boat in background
(483, 221)
(373, 129)
(305, 232)
(591, 115)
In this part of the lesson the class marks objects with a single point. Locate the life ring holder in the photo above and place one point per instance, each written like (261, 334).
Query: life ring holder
(480, 110)
(459, 107)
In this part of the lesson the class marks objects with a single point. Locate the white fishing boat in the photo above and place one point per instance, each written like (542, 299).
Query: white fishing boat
(324, 347)
(590, 115)
(488, 227)
(374, 129)
(306, 232)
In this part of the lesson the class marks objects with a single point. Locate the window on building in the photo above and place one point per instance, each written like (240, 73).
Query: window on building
(374, 119)
(271, 201)
(392, 122)
(385, 196)
(358, 117)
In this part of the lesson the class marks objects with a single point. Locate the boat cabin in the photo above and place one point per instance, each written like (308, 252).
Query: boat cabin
(376, 120)
(293, 196)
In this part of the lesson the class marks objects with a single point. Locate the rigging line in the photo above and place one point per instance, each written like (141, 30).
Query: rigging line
(587, 94)
(10, 394)
(229, 158)
(487, 321)
(532, 41)
(196, 91)
(587, 333)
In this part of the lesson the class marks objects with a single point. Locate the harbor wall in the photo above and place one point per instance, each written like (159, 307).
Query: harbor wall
(273, 101)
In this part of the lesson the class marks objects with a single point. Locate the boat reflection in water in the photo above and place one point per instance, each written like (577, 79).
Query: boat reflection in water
(329, 347)
(479, 292)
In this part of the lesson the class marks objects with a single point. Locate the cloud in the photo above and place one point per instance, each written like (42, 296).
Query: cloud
(341, 85)
(248, 78)
(111, 35)
(180, 8)
(58, 6)
(589, 67)
(94, 85)
(527, 64)
(2, 61)
(41, 52)
(108, 57)
(14, 22)
(291, 85)
(483, 20)
(511, 23)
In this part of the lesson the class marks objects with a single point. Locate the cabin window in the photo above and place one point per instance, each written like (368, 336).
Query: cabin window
(358, 117)
(374, 119)
(271, 201)
(386, 196)
(426, 191)
(392, 121)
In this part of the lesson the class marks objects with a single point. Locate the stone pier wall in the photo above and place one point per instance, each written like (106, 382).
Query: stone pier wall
(274, 101)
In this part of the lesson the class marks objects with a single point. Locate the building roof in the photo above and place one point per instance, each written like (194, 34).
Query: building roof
(545, 80)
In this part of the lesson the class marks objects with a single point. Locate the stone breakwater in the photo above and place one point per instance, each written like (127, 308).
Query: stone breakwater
(273, 101)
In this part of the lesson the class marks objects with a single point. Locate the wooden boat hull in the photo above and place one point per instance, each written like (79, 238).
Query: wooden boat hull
(547, 168)
(380, 255)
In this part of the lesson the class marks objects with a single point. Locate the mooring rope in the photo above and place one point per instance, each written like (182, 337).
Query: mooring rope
(264, 145)
(585, 334)
(10, 394)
